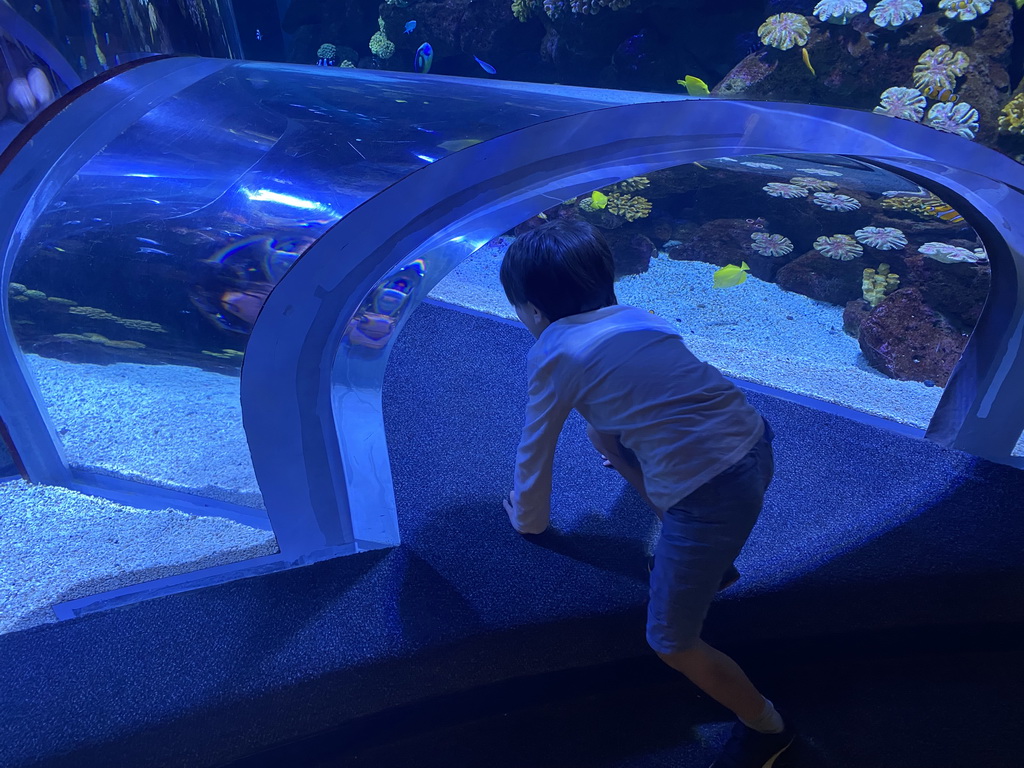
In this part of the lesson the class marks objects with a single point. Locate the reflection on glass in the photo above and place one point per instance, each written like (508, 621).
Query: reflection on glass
(373, 325)
(819, 275)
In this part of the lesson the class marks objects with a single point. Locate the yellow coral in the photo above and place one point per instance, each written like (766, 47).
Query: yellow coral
(380, 46)
(629, 207)
(35, 294)
(15, 289)
(140, 325)
(65, 302)
(123, 344)
(632, 184)
(94, 312)
(876, 285)
(1011, 117)
(522, 9)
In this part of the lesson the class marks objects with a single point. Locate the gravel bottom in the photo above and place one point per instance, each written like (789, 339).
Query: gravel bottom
(754, 332)
(167, 425)
(59, 545)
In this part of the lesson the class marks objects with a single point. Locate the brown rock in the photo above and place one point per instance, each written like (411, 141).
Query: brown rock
(632, 251)
(822, 278)
(906, 339)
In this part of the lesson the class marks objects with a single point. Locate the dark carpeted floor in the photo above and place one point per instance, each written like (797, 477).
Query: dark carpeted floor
(880, 604)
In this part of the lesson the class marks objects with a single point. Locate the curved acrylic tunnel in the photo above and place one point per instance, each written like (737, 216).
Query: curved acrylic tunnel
(382, 183)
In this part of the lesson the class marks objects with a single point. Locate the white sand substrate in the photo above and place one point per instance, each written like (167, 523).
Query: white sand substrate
(745, 330)
(59, 545)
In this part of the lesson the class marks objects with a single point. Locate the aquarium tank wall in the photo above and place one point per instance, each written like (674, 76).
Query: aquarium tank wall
(208, 261)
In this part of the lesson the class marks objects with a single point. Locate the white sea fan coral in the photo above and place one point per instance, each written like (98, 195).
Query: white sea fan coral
(789, 191)
(894, 13)
(815, 185)
(766, 166)
(833, 202)
(965, 10)
(882, 238)
(771, 245)
(819, 172)
(839, 11)
(939, 68)
(961, 118)
(784, 30)
(951, 254)
(839, 247)
(904, 103)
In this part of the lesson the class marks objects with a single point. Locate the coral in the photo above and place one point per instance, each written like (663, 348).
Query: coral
(632, 184)
(15, 289)
(94, 312)
(380, 46)
(1011, 116)
(819, 172)
(965, 10)
(904, 103)
(876, 285)
(894, 13)
(64, 302)
(20, 297)
(629, 207)
(771, 245)
(839, 11)
(141, 325)
(346, 64)
(326, 53)
(70, 336)
(961, 119)
(951, 254)
(523, 9)
(814, 185)
(882, 238)
(554, 8)
(35, 294)
(591, 7)
(833, 202)
(123, 344)
(939, 68)
(839, 247)
(789, 191)
(225, 354)
(784, 30)
(766, 166)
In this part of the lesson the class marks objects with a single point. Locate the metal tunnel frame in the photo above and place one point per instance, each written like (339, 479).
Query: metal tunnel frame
(312, 410)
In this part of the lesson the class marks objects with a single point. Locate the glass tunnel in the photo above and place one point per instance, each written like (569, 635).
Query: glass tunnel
(208, 262)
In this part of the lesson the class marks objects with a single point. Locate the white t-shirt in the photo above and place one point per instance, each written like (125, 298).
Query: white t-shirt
(629, 373)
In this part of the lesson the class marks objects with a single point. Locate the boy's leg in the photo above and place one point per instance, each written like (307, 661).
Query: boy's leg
(609, 447)
(719, 677)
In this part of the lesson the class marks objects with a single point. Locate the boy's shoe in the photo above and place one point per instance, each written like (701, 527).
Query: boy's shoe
(747, 748)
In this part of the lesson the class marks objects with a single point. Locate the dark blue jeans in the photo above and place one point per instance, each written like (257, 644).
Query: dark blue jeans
(700, 538)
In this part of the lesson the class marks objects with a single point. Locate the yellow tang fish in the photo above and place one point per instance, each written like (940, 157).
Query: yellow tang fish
(1020, 4)
(731, 275)
(807, 61)
(695, 86)
(598, 200)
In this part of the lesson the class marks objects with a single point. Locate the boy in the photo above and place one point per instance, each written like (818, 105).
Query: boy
(674, 427)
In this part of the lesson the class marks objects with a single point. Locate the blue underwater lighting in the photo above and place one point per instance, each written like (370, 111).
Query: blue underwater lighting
(267, 195)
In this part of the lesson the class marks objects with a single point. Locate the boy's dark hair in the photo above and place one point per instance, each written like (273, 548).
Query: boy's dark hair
(563, 268)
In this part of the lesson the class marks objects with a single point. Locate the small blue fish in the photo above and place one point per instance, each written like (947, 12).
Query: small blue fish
(423, 58)
(486, 67)
(409, 26)
(259, 35)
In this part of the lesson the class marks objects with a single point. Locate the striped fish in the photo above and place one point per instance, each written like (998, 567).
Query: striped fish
(940, 94)
(945, 213)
